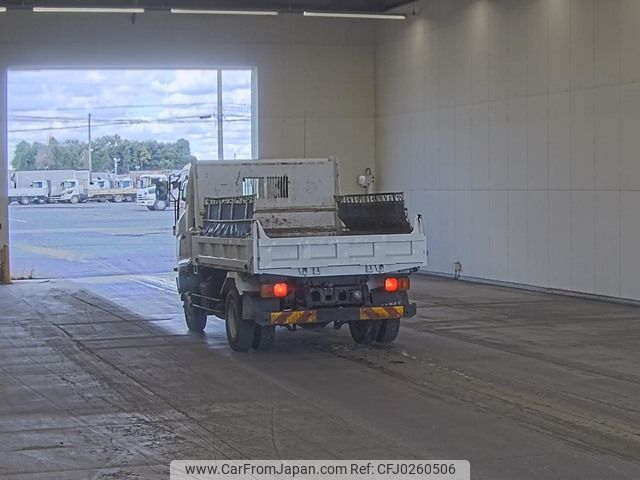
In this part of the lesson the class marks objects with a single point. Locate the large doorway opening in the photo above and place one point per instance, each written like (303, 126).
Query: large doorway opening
(83, 142)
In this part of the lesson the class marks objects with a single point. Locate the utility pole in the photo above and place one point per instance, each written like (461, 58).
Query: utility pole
(116, 161)
(89, 125)
(220, 118)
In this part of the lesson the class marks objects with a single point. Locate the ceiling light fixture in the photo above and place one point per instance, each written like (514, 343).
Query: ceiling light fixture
(224, 12)
(375, 16)
(3, 9)
(86, 10)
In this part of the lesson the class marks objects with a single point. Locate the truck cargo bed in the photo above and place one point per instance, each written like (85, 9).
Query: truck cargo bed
(305, 256)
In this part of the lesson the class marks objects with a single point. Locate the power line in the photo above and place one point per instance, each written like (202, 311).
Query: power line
(110, 107)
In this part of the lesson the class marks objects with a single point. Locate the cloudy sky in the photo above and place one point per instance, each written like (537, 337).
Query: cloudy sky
(162, 105)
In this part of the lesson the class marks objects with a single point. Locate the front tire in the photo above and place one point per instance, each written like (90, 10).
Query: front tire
(195, 317)
(74, 200)
(151, 207)
(364, 331)
(117, 198)
(160, 205)
(239, 331)
(24, 201)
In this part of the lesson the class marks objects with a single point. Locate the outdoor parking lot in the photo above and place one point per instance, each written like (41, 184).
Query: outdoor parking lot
(92, 239)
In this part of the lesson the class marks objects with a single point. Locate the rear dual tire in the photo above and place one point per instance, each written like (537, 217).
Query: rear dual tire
(366, 332)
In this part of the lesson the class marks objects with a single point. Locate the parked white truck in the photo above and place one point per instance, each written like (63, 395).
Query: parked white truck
(38, 192)
(112, 190)
(154, 192)
(273, 243)
(79, 190)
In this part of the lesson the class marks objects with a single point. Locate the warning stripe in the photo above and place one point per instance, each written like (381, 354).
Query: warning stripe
(293, 316)
(377, 313)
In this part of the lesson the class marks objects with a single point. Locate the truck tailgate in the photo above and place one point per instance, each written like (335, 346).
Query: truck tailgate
(341, 255)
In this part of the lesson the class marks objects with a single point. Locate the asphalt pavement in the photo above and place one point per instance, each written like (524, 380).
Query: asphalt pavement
(71, 241)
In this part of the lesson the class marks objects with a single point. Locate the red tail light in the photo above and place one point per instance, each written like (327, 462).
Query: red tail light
(280, 290)
(391, 284)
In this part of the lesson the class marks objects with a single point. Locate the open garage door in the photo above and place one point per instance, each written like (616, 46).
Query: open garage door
(90, 154)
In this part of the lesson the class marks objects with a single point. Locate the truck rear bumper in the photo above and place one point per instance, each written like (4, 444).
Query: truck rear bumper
(343, 314)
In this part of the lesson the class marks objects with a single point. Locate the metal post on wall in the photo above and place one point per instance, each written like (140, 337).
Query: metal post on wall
(5, 267)
(5, 273)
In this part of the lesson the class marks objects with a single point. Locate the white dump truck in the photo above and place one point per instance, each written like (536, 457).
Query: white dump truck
(272, 243)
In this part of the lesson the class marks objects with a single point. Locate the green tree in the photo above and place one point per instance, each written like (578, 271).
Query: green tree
(24, 157)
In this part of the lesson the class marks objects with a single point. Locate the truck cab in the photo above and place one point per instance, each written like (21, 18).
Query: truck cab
(71, 191)
(154, 192)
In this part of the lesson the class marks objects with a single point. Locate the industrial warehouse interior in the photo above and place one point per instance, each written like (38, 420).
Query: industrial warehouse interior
(320, 239)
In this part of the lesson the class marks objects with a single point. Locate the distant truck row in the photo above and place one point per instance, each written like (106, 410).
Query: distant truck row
(70, 186)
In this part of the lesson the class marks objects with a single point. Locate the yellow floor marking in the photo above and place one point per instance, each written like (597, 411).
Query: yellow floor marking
(53, 253)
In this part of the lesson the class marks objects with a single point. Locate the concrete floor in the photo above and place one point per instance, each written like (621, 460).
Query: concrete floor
(524, 385)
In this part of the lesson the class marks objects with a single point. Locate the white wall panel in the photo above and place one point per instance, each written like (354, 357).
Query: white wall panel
(630, 239)
(559, 45)
(607, 263)
(531, 149)
(582, 44)
(499, 227)
(538, 235)
(607, 137)
(537, 143)
(607, 42)
(560, 141)
(537, 47)
(583, 204)
(518, 237)
(582, 139)
(560, 240)
(629, 41)
(480, 146)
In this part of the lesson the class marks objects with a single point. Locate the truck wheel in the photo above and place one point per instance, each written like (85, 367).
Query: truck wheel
(196, 318)
(117, 198)
(151, 207)
(263, 337)
(41, 201)
(160, 205)
(239, 331)
(364, 331)
(24, 200)
(388, 330)
(74, 199)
